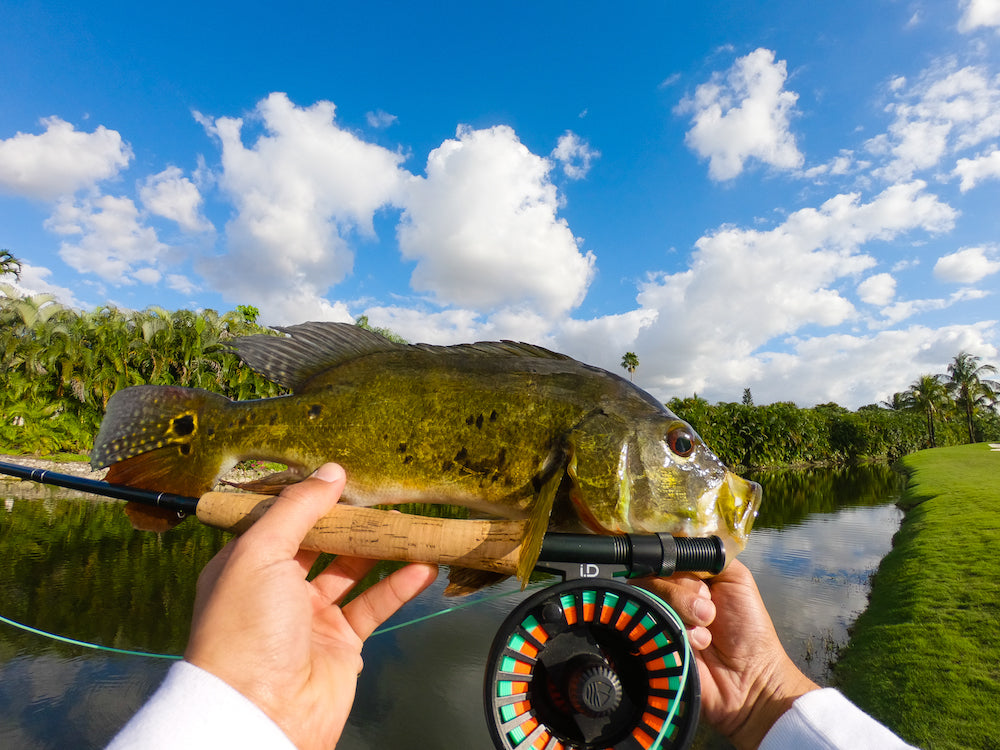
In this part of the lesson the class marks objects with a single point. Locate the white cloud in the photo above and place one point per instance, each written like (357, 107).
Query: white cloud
(35, 280)
(744, 114)
(112, 241)
(979, 13)
(745, 288)
(969, 265)
(856, 370)
(300, 192)
(877, 290)
(60, 161)
(182, 284)
(171, 195)
(575, 155)
(483, 229)
(380, 120)
(973, 171)
(946, 111)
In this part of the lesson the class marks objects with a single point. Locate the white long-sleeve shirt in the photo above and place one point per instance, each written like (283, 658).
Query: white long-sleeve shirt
(194, 709)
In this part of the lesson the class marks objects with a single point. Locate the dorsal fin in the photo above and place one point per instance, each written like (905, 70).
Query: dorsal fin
(312, 348)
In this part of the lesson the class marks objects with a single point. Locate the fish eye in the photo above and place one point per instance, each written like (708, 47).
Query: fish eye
(680, 442)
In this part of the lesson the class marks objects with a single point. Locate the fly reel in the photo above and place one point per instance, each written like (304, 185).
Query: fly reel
(594, 663)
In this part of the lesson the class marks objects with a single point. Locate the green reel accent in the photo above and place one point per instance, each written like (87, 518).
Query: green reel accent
(591, 664)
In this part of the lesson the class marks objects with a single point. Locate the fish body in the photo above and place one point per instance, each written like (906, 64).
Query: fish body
(508, 429)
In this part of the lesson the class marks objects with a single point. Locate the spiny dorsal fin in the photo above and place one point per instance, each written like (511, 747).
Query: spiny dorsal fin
(312, 348)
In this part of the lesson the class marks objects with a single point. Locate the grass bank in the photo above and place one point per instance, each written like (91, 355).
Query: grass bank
(924, 658)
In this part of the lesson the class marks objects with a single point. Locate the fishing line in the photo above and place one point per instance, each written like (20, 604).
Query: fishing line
(380, 631)
(85, 644)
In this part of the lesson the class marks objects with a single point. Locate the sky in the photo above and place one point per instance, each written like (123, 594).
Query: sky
(796, 198)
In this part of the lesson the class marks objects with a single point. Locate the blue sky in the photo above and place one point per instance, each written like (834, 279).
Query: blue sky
(799, 198)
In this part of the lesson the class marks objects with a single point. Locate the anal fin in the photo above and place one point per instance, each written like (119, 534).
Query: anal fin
(150, 518)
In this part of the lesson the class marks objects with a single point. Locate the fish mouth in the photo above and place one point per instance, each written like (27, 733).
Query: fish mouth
(737, 502)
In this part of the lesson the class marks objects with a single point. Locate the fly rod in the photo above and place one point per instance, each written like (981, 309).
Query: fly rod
(381, 534)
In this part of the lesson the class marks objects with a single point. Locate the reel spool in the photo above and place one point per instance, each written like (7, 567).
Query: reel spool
(588, 664)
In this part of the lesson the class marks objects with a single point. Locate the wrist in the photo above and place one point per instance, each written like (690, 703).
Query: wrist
(775, 694)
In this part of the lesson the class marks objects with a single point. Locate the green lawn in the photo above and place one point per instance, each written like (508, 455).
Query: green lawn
(925, 656)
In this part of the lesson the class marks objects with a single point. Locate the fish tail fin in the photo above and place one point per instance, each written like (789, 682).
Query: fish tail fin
(155, 438)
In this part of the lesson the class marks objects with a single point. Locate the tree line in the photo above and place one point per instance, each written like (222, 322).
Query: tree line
(59, 367)
(943, 409)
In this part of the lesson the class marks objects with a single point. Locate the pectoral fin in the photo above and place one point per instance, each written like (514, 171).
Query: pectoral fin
(538, 519)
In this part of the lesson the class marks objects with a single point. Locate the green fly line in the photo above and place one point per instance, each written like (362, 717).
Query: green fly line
(130, 652)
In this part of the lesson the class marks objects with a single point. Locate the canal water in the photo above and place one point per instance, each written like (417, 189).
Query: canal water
(72, 566)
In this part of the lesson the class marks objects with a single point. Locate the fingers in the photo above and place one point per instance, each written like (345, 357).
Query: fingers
(373, 607)
(280, 531)
(690, 598)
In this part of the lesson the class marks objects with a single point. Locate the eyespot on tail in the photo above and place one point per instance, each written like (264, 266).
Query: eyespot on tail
(154, 438)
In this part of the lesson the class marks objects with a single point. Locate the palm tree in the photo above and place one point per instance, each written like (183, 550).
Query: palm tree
(9, 264)
(928, 394)
(969, 388)
(630, 362)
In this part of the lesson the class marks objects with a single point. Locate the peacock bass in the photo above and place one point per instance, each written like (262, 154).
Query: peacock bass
(507, 429)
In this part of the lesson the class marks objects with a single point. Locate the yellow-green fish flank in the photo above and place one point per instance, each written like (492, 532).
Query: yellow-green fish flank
(508, 429)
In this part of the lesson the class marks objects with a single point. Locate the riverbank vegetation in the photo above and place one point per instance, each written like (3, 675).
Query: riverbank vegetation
(60, 366)
(925, 656)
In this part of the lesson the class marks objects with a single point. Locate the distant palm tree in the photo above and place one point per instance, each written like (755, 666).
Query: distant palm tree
(9, 264)
(969, 388)
(630, 362)
(928, 395)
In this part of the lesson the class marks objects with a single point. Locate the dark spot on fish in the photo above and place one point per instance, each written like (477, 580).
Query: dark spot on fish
(401, 448)
(183, 425)
(408, 459)
(494, 415)
(273, 420)
(315, 410)
(245, 421)
(479, 422)
(210, 431)
(470, 420)
(185, 449)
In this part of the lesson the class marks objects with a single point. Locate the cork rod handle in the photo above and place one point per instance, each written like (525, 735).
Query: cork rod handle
(382, 534)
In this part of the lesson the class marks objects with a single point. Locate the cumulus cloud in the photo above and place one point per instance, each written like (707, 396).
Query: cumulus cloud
(60, 161)
(945, 111)
(171, 195)
(853, 370)
(877, 290)
(301, 192)
(747, 287)
(973, 171)
(969, 265)
(979, 13)
(744, 114)
(482, 226)
(575, 155)
(109, 239)
(35, 280)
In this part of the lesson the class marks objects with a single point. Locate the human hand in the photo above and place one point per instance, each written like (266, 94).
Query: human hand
(747, 678)
(282, 641)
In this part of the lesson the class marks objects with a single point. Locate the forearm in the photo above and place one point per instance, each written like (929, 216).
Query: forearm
(195, 709)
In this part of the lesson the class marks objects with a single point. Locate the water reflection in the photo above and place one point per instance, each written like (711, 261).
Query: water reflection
(76, 567)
